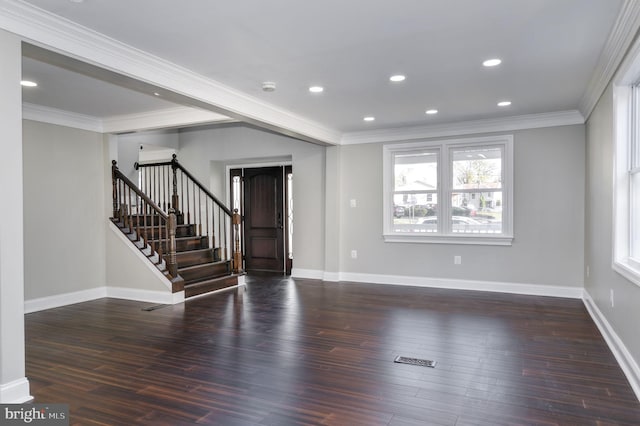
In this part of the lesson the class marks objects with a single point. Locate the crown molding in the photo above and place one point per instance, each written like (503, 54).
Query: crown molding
(622, 35)
(66, 37)
(160, 119)
(508, 124)
(61, 118)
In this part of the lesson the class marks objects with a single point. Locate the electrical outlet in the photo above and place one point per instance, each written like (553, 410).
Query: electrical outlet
(353, 203)
(612, 298)
(588, 271)
(457, 260)
(354, 254)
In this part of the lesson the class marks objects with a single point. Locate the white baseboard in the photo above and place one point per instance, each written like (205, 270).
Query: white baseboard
(151, 296)
(331, 276)
(310, 274)
(15, 392)
(58, 300)
(628, 365)
(453, 284)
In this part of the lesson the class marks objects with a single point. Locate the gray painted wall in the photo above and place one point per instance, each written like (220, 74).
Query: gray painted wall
(125, 269)
(206, 152)
(129, 147)
(58, 261)
(625, 316)
(549, 211)
(548, 219)
(63, 191)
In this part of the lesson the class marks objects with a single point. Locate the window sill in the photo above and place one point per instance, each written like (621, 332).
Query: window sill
(502, 240)
(627, 270)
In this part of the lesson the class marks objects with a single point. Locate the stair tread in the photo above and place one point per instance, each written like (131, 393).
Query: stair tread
(203, 265)
(210, 280)
(192, 237)
(196, 251)
(206, 286)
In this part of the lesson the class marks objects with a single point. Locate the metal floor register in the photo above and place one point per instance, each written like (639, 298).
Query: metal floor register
(415, 361)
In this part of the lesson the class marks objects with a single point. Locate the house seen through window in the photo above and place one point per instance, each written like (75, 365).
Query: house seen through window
(449, 191)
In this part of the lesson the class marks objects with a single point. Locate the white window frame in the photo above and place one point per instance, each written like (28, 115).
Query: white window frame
(626, 139)
(445, 188)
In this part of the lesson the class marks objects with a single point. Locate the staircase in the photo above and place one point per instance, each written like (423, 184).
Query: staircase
(165, 216)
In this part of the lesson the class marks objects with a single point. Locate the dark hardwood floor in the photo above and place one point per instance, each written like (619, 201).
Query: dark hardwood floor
(286, 352)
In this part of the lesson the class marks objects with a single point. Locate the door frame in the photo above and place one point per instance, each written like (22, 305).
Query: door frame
(286, 165)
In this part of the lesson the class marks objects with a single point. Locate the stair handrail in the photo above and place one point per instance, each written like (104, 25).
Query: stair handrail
(126, 216)
(235, 219)
(174, 162)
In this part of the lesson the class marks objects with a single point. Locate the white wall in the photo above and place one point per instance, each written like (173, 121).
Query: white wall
(625, 316)
(129, 147)
(127, 269)
(206, 151)
(14, 386)
(549, 210)
(64, 205)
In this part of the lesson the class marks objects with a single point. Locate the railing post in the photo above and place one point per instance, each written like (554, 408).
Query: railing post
(237, 252)
(172, 264)
(114, 181)
(174, 196)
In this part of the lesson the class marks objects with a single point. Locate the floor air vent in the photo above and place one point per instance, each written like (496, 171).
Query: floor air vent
(415, 361)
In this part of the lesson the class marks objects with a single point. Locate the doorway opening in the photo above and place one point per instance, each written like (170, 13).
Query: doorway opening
(264, 198)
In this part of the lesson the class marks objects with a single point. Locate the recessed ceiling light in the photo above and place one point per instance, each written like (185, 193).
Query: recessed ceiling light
(369, 118)
(397, 78)
(76, 1)
(316, 89)
(431, 111)
(156, 94)
(492, 62)
(27, 83)
(504, 103)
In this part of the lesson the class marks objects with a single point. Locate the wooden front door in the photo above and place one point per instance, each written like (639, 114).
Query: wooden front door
(264, 219)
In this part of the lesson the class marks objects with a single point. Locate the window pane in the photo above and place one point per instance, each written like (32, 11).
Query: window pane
(635, 217)
(290, 216)
(475, 168)
(417, 171)
(476, 212)
(414, 212)
(634, 140)
(235, 204)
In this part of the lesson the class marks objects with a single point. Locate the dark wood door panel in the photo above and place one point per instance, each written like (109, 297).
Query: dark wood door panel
(262, 191)
(264, 248)
(264, 227)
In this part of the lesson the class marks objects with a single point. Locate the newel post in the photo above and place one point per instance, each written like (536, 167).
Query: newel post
(237, 252)
(174, 195)
(114, 169)
(172, 223)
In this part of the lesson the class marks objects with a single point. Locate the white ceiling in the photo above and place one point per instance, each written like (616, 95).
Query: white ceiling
(549, 48)
(71, 91)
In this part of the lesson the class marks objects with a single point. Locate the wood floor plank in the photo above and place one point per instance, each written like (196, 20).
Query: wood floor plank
(292, 352)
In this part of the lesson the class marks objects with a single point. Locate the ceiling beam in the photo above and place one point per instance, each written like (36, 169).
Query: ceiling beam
(88, 51)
